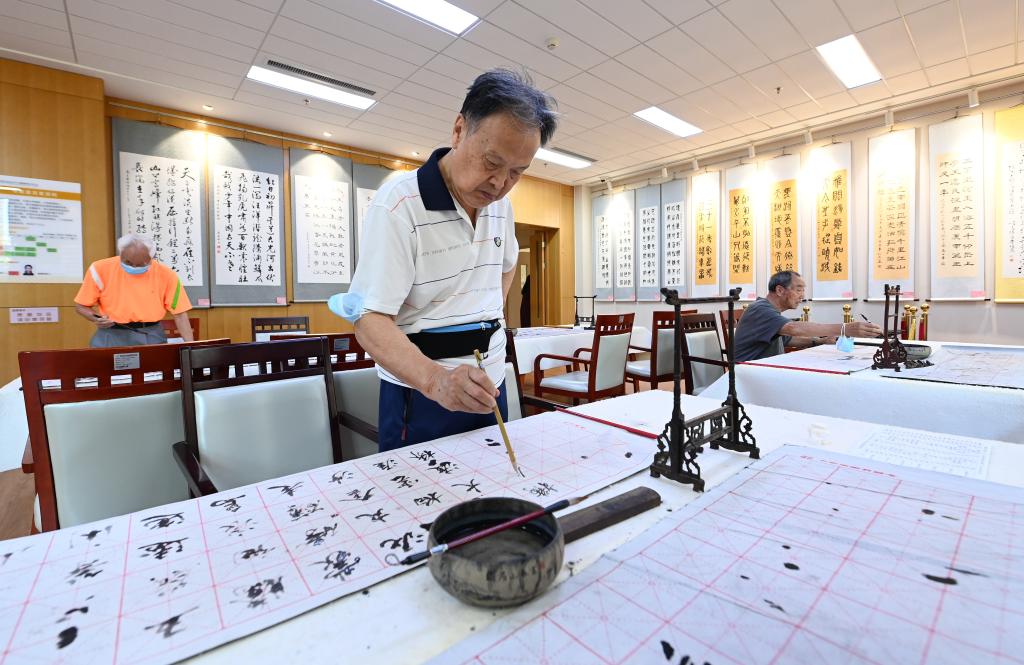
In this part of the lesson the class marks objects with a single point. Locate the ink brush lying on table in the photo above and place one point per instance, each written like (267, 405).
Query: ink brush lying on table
(501, 423)
(498, 528)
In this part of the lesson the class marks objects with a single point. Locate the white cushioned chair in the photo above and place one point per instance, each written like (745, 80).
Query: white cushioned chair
(659, 366)
(244, 429)
(701, 353)
(605, 365)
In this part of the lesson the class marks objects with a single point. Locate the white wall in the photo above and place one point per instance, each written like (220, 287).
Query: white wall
(987, 322)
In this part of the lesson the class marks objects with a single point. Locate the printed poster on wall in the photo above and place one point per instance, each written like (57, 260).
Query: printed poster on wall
(40, 231)
(246, 211)
(740, 244)
(892, 212)
(781, 206)
(322, 231)
(160, 199)
(828, 174)
(1009, 281)
(704, 214)
(957, 183)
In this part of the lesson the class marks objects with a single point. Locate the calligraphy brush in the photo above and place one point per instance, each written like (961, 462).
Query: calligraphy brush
(501, 423)
(498, 528)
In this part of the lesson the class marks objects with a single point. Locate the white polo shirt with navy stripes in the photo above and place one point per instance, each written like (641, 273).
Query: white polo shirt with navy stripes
(422, 261)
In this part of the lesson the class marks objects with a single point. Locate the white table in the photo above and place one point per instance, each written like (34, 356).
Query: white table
(532, 342)
(410, 619)
(874, 396)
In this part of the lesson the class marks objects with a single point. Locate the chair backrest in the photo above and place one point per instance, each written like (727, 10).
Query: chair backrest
(346, 351)
(723, 316)
(170, 327)
(663, 342)
(610, 349)
(513, 392)
(247, 428)
(700, 340)
(263, 328)
(357, 392)
(101, 423)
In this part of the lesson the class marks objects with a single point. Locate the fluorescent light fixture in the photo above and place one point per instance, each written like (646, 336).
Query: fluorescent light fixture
(694, 165)
(751, 151)
(207, 107)
(972, 98)
(808, 138)
(328, 134)
(890, 120)
(563, 158)
(667, 121)
(306, 87)
(443, 14)
(849, 62)
(415, 153)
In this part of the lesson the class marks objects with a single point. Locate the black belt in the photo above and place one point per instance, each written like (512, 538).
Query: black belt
(135, 325)
(455, 344)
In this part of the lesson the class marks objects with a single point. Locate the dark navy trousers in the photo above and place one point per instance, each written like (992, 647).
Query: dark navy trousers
(406, 416)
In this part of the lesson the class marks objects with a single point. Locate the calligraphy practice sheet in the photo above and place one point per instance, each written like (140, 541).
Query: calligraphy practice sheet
(323, 231)
(246, 225)
(947, 453)
(971, 365)
(164, 584)
(160, 199)
(823, 358)
(802, 557)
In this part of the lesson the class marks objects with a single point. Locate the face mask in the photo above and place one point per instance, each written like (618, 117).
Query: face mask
(844, 343)
(134, 270)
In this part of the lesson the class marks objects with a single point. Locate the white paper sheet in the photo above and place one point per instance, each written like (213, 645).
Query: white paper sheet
(823, 358)
(946, 453)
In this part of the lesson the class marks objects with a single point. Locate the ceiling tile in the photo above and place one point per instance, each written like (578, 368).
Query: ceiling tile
(872, 92)
(837, 102)
(519, 21)
(582, 100)
(811, 74)
(717, 35)
(987, 61)
(636, 85)
(602, 90)
(911, 6)
(159, 61)
(233, 10)
(936, 33)
(678, 11)
(35, 31)
(819, 21)
(20, 42)
(395, 22)
(576, 18)
(863, 14)
(187, 18)
(408, 103)
(766, 27)
(435, 97)
(636, 18)
(269, 5)
(642, 58)
(988, 24)
(299, 55)
(889, 47)
(805, 111)
(422, 123)
(480, 8)
(905, 83)
(777, 118)
(454, 69)
(440, 82)
(777, 86)
(678, 47)
(692, 113)
(750, 126)
(314, 39)
(948, 71)
(745, 96)
(523, 53)
(136, 69)
(716, 105)
(575, 116)
(27, 11)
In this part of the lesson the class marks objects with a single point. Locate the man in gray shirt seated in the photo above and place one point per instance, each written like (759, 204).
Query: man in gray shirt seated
(763, 331)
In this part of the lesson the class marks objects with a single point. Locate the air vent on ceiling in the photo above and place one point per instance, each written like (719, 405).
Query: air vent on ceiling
(320, 77)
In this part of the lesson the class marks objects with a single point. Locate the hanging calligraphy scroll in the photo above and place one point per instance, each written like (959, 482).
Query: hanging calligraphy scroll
(704, 213)
(828, 174)
(782, 208)
(957, 183)
(741, 240)
(368, 179)
(892, 212)
(673, 235)
(604, 267)
(1009, 282)
(648, 243)
(621, 215)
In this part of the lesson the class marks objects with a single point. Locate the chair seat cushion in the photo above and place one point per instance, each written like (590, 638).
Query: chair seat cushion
(639, 367)
(575, 381)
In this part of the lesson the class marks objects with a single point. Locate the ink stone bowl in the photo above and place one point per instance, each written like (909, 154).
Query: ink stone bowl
(504, 569)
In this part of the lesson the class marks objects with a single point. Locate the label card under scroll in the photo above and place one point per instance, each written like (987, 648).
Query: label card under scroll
(160, 199)
(323, 228)
(741, 239)
(1009, 280)
(673, 235)
(621, 216)
(828, 173)
(892, 212)
(246, 211)
(704, 212)
(957, 183)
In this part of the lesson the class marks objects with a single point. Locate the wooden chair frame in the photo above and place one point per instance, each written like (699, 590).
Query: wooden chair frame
(698, 323)
(341, 346)
(607, 324)
(85, 376)
(279, 324)
(170, 327)
(285, 359)
(660, 320)
(723, 317)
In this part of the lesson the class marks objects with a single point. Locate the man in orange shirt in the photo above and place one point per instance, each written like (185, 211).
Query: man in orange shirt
(126, 296)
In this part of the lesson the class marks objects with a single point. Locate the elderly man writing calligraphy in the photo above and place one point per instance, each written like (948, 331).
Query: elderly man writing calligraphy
(763, 331)
(437, 259)
(126, 296)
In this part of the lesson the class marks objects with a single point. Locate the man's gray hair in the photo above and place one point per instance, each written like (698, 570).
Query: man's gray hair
(782, 278)
(129, 239)
(505, 91)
